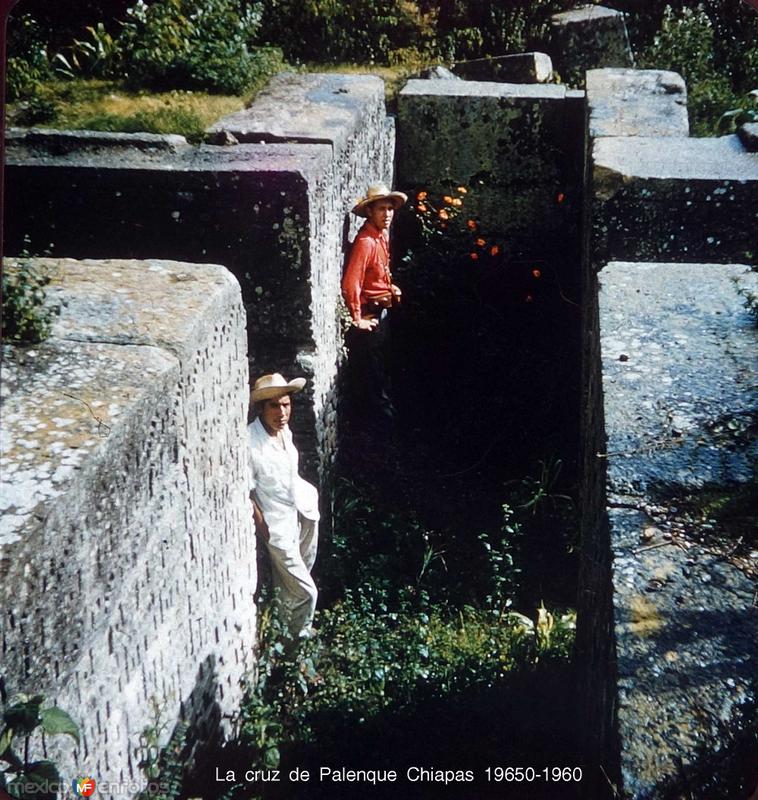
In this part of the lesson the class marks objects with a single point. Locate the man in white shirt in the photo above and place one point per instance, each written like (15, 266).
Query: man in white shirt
(285, 507)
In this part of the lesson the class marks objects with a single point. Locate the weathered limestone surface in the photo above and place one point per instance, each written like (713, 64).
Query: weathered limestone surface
(275, 214)
(518, 68)
(670, 199)
(631, 102)
(127, 554)
(516, 148)
(679, 379)
(587, 37)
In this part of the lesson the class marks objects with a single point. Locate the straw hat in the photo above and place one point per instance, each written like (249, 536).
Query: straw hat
(378, 191)
(268, 386)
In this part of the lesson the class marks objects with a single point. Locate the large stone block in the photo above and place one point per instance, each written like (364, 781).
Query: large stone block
(671, 199)
(517, 68)
(127, 553)
(678, 359)
(517, 148)
(588, 37)
(629, 102)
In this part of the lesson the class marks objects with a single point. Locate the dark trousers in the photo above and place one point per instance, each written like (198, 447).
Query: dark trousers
(368, 371)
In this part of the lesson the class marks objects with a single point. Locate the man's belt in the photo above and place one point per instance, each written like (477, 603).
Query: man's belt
(374, 305)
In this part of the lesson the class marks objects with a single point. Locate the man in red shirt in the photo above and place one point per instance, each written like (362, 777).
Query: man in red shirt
(369, 293)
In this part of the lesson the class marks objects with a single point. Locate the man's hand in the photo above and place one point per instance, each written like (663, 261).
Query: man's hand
(366, 324)
(261, 528)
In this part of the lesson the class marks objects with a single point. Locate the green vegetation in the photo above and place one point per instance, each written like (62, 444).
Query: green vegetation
(107, 106)
(27, 318)
(23, 719)
(406, 635)
(687, 44)
(232, 47)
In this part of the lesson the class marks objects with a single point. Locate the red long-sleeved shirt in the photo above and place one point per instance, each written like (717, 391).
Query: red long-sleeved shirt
(367, 274)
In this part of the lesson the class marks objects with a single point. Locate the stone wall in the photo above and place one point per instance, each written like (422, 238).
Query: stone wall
(518, 150)
(680, 403)
(274, 213)
(665, 365)
(127, 554)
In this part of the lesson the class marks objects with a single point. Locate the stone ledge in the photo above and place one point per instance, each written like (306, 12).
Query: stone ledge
(584, 14)
(49, 140)
(723, 158)
(321, 108)
(678, 354)
(506, 91)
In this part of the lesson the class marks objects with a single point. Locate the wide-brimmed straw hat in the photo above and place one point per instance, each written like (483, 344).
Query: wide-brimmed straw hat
(275, 385)
(378, 192)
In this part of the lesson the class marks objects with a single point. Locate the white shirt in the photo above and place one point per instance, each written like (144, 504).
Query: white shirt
(280, 492)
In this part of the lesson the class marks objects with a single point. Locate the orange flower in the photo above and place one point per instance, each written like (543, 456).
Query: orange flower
(462, 190)
(494, 250)
(442, 214)
(422, 208)
(457, 201)
(471, 224)
(560, 198)
(480, 242)
(474, 256)
(421, 196)
(448, 199)
(537, 273)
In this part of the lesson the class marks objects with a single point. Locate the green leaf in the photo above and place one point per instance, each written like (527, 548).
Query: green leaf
(44, 770)
(24, 717)
(40, 781)
(6, 737)
(56, 721)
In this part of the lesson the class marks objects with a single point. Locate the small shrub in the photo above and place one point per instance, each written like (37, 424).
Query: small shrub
(685, 44)
(28, 62)
(100, 56)
(345, 30)
(179, 44)
(745, 112)
(22, 720)
(36, 110)
(26, 316)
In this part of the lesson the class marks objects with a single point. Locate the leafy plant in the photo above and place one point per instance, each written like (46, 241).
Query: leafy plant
(180, 44)
(37, 109)
(162, 765)
(28, 63)
(747, 111)
(27, 318)
(686, 44)
(24, 778)
(100, 56)
(346, 30)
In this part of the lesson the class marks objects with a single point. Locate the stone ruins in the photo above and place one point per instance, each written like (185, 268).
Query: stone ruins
(127, 555)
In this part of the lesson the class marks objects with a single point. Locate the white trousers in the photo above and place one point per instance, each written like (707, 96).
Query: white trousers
(291, 571)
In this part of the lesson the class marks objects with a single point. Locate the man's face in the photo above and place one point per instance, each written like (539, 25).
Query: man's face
(276, 413)
(380, 214)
